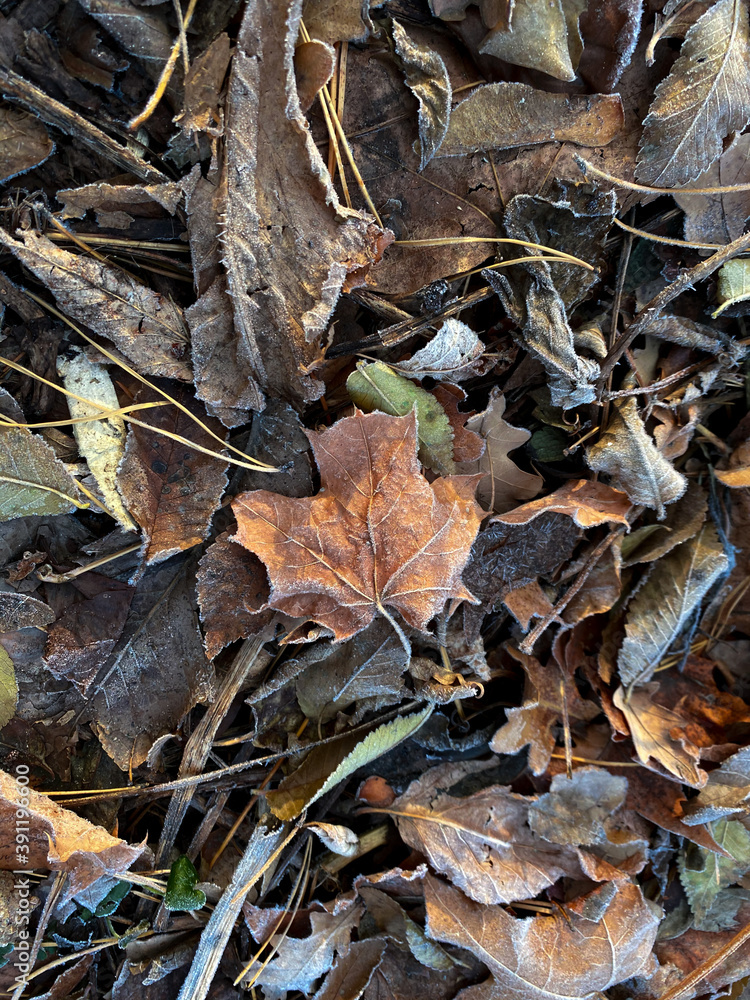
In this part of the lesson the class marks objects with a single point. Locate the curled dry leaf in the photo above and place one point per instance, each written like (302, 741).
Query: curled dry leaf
(289, 247)
(704, 99)
(427, 78)
(548, 958)
(503, 483)
(171, 489)
(59, 840)
(148, 328)
(503, 115)
(377, 536)
(726, 793)
(665, 605)
(451, 355)
(587, 503)
(627, 453)
(101, 442)
(544, 37)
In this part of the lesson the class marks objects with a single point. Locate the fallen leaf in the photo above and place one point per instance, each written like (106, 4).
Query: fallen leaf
(147, 327)
(8, 689)
(232, 589)
(23, 611)
(503, 482)
(503, 115)
(314, 63)
(181, 893)
(24, 141)
(704, 874)
(353, 970)
(355, 550)
(451, 355)
(544, 38)
(651, 727)
(376, 386)
(480, 841)
(666, 603)
(533, 724)
(626, 452)
(705, 97)
(289, 247)
(427, 78)
(587, 503)
(328, 765)
(338, 839)
(733, 285)
(157, 671)
(610, 30)
(59, 840)
(171, 489)
(338, 20)
(101, 442)
(201, 110)
(602, 588)
(115, 205)
(548, 957)
(719, 218)
(32, 480)
(685, 518)
(725, 794)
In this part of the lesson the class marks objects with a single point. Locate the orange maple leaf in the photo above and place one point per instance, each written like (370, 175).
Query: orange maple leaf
(377, 536)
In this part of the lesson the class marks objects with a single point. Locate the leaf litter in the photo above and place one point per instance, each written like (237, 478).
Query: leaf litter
(373, 488)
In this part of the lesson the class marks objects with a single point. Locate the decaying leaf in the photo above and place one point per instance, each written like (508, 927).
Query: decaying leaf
(289, 246)
(549, 957)
(201, 112)
(115, 205)
(541, 36)
(704, 874)
(452, 354)
(23, 611)
(659, 735)
(427, 78)
(481, 841)
(719, 218)
(543, 707)
(376, 386)
(733, 286)
(705, 98)
(627, 453)
(726, 792)
(59, 840)
(377, 536)
(32, 479)
(338, 20)
(664, 606)
(684, 519)
(503, 483)
(147, 327)
(171, 490)
(587, 503)
(101, 442)
(502, 115)
(314, 63)
(24, 141)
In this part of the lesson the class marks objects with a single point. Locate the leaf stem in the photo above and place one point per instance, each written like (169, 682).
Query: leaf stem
(396, 628)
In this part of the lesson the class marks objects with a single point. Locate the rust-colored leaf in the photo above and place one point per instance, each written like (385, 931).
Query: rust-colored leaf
(588, 503)
(378, 536)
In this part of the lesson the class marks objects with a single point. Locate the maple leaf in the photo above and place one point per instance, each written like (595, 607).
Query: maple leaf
(377, 536)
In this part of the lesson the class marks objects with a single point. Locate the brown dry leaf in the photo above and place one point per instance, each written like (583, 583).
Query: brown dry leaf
(23, 611)
(338, 20)
(665, 605)
(289, 247)
(59, 840)
(232, 588)
(147, 327)
(588, 503)
(353, 969)
(201, 111)
(495, 13)
(377, 536)
(627, 453)
(719, 218)
(533, 724)
(116, 205)
(737, 475)
(684, 519)
(549, 958)
(726, 792)
(601, 590)
(544, 37)
(24, 142)
(481, 841)
(659, 736)
(171, 489)
(704, 99)
(427, 78)
(157, 671)
(503, 482)
(502, 115)
(86, 633)
(610, 30)
(314, 63)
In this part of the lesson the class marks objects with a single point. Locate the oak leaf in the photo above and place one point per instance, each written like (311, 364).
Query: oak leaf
(377, 536)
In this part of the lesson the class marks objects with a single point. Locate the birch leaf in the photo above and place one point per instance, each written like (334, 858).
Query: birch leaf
(664, 605)
(427, 78)
(704, 99)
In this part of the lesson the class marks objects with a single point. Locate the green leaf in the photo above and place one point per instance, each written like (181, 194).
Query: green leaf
(319, 772)
(733, 285)
(704, 874)
(181, 893)
(8, 688)
(378, 387)
(32, 479)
